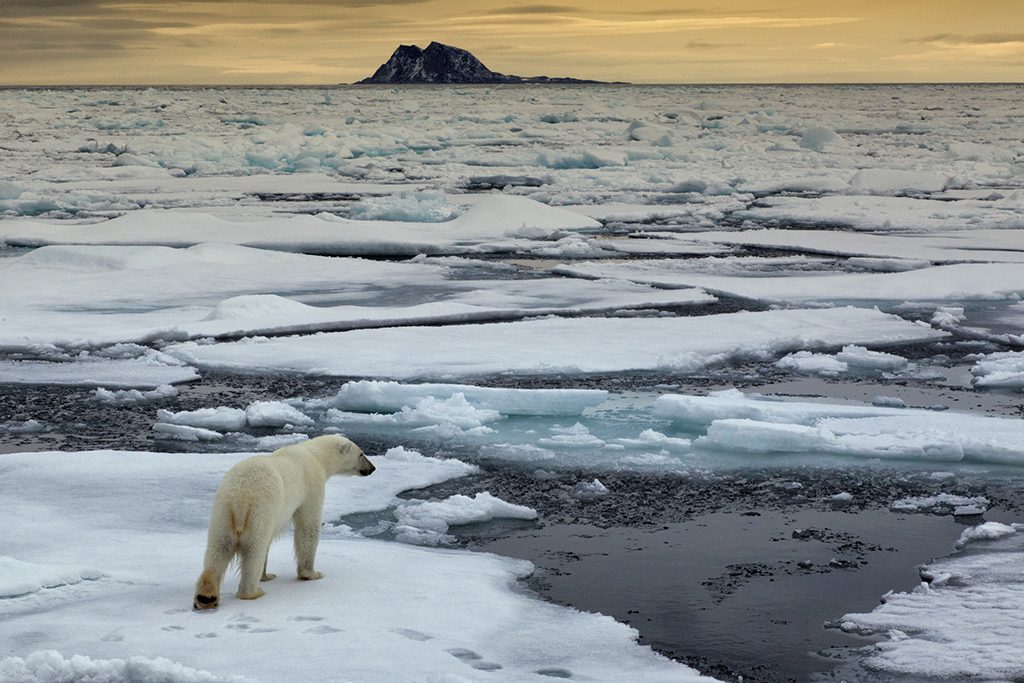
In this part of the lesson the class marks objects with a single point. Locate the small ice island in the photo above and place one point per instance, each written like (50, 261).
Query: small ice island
(443, 64)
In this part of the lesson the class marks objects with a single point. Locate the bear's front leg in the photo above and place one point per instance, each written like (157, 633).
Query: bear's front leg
(307, 538)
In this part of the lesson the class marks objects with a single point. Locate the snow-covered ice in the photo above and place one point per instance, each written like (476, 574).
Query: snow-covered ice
(558, 345)
(962, 623)
(400, 613)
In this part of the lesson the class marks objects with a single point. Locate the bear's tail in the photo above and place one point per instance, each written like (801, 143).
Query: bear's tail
(239, 516)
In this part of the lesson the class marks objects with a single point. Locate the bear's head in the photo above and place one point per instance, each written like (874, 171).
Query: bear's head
(346, 458)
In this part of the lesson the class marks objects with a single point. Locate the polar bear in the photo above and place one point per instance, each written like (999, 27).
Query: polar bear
(256, 500)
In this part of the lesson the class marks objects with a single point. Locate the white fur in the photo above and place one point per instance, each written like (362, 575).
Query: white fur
(256, 500)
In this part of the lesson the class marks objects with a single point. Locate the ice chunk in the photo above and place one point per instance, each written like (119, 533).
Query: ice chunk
(939, 504)
(812, 364)
(427, 206)
(222, 419)
(590, 489)
(984, 532)
(650, 438)
(275, 414)
(892, 181)
(732, 403)
(9, 190)
(842, 497)
(1003, 369)
(962, 625)
(375, 396)
(141, 373)
(821, 139)
(427, 522)
(173, 432)
(863, 359)
(576, 436)
(133, 396)
(888, 402)
(740, 423)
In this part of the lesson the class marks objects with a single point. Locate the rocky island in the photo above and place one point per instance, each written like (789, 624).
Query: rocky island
(441, 64)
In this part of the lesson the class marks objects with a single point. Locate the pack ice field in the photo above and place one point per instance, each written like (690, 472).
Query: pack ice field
(560, 320)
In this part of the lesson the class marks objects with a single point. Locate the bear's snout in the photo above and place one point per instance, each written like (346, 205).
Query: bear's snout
(366, 468)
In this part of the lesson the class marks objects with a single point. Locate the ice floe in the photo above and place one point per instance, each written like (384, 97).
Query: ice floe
(737, 423)
(416, 612)
(962, 622)
(558, 346)
(960, 282)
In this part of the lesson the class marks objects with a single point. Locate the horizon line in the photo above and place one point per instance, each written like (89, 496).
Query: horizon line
(43, 86)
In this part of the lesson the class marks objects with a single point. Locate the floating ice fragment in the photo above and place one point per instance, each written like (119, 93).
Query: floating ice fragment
(820, 139)
(126, 397)
(863, 359)
(940, 504)
(590, 489)
(427, 206)
(174, 432)
(812, 364)
(576, 436)
(275, 414)
(985, 532)
(888, 402)
(427, 522)
(221, 419)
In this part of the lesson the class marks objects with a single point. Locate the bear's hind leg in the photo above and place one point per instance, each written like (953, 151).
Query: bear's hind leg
(219, 552)
(253, 554)
(266, 575)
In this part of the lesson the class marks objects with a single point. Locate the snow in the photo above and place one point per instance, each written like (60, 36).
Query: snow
(400, 612)
(49, 666)
(18, 579)
(553, 346)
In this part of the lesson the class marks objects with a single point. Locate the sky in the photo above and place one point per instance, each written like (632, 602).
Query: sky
(50, 42)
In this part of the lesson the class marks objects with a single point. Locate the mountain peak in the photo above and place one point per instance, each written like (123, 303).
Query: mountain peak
(440, 63)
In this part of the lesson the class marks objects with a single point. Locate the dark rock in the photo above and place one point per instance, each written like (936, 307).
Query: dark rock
(441, 64)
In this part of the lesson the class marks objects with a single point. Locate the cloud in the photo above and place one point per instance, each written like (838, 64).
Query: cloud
(537, 9)
(962, 39)
(705, 45)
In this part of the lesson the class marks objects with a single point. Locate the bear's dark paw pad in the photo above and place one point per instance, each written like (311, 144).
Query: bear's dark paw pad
(205, 602)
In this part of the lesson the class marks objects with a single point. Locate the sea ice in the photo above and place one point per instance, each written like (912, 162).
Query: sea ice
(962, 624)
(427, 522)
(555, 346)
(413, 608)
(1003, 369)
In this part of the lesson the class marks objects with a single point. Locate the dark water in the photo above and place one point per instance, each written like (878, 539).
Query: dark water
(734, 594)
